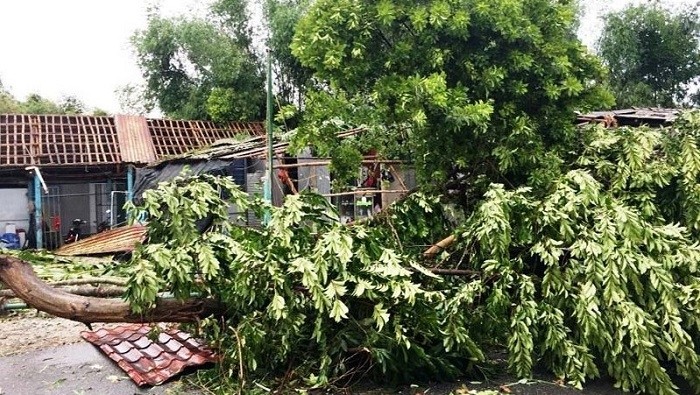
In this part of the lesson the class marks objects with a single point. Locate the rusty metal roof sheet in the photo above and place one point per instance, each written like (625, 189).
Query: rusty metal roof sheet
(146, 361)
(631, 117)
(236, 148)
(122, 239)
(134, 139)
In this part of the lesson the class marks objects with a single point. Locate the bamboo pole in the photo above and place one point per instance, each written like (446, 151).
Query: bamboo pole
(439, 246)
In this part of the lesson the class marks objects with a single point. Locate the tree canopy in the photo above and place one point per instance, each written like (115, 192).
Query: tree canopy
(653, 55)
(291, 78)
(466, 88)
(202, 68)
(598, 273)
(36, 104)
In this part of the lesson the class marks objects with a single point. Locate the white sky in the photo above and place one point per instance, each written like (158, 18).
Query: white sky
(81, 47)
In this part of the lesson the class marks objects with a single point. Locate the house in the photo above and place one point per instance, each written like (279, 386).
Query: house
(244, 159)
(56, 168)
(379, 182)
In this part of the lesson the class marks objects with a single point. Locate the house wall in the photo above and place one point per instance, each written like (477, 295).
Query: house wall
(314, 178)
(403, 177)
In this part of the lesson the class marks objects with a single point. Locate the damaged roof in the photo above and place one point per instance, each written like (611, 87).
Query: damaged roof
(237, 148)
(70, 140)
(112, 241)
(147, 361)
(631, 117)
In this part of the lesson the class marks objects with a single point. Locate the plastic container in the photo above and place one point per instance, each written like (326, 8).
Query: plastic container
(10, 241)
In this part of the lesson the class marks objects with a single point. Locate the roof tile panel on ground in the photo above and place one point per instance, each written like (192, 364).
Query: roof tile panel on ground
(147, 361)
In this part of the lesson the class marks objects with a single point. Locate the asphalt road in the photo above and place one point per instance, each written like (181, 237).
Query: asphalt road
(74, 369)
(81, 369)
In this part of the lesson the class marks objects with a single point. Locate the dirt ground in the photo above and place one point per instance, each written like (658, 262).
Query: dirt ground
(29, 330)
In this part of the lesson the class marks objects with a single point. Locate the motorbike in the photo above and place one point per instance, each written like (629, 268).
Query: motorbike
(75, 231)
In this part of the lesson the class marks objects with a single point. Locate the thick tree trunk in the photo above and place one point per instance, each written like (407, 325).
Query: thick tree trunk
(109, 291)
(19, 276)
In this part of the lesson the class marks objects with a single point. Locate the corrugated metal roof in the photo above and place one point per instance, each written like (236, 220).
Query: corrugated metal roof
(134, 139)
(232, 148)
(631, 117)
(111, 241)
(146, 361)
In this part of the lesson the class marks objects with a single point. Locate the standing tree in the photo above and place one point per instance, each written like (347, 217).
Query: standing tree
(468, 87)
(71, 105)
(36, 104)
(8, 103)
(202, 68)
(291, 77)
(653, 55)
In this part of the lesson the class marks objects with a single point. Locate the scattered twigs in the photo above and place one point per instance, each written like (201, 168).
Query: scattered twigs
(454, 272)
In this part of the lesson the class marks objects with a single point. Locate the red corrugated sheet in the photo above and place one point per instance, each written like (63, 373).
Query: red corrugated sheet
(146, 361)
(134, 139)
(112, 241)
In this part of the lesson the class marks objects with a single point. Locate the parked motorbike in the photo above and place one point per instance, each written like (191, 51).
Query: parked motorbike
(75, 231)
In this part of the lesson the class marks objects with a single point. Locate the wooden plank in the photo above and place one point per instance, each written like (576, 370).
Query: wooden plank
(64, 141)
(366, 192)
(86, 151)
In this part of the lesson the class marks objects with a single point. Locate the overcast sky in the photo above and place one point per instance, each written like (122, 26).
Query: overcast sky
(81, 47)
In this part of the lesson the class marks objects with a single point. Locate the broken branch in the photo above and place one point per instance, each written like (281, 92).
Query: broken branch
(439, 246)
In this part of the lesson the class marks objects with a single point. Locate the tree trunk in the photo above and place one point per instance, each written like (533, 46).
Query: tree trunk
(19, 276)
(109, 291)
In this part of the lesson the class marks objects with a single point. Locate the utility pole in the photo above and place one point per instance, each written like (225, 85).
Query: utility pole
(268, 182)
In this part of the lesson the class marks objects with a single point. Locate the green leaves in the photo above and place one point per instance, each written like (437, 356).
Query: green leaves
(484, 87)
(600, 245)
(201, 68)
(653, 54)
(305, 287)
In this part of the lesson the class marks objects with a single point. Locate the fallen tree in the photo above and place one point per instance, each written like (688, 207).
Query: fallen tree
(597, 271)
(19, 276)
(99, 291)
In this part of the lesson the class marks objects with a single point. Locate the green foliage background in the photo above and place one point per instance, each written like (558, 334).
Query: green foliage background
(469, 89)
(653, 55)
